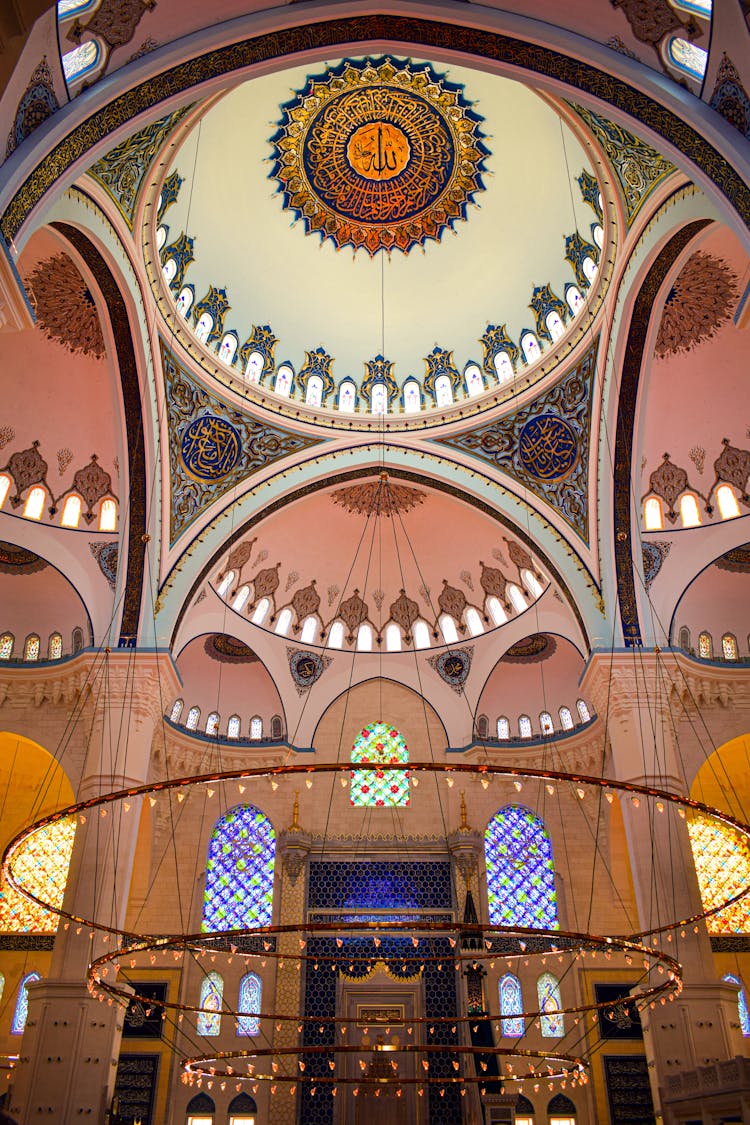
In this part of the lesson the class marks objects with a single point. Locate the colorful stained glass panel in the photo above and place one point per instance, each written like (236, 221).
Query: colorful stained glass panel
(511, 1004)
(212, 991)
(552, 1024)
(41, 865)
(379, 745)
(722, 864)
(250, 997)
(239, 872)
(18, 1023)
(520, 871)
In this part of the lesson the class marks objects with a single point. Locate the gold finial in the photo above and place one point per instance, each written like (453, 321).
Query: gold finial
(464, 821)
(294, 826)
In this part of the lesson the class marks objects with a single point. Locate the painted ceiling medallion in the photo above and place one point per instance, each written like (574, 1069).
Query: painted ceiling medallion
(378, 498)
(378, 156)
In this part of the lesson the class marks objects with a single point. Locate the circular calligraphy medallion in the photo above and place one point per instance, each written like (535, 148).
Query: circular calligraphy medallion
(306, 668)
(548, 447)
(210, 448)
(453, 667)
(379, 157)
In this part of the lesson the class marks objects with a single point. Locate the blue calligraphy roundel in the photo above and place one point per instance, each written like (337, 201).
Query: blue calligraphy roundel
(548, 447)
(210, 448)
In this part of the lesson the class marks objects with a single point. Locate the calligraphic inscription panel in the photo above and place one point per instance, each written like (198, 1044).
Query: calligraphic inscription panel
(628, 1090)
(547, 447)
(375, 155)
(210, 448)
(135, 1087)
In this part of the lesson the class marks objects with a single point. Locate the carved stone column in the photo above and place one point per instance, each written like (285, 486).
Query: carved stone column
(69, 1050)
(700, 1026)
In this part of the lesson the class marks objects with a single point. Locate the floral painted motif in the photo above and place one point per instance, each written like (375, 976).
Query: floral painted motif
(520, 871)
(379, 744)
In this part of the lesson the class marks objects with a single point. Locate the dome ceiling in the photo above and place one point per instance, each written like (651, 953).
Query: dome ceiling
(496, 233)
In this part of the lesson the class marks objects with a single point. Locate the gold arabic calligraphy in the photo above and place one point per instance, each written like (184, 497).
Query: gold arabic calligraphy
(210, 448)
(547, 447)
(378, 151)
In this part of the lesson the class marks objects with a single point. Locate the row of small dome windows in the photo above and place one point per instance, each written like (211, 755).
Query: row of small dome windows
(690, 516)
(32, 646)
(72, 510)
(312, 626)
(234, 723)
(729, 647)
(546, 724)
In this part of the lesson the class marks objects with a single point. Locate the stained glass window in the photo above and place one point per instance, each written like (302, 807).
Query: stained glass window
(80, 59)
(548, 994)
(6, 646)
(18, 1023)
(250, 998)
(55, 646)
(722, 864)
(379, 743)
(256, 728)
(503, 728)
(687, 57)
(566, 719)
(31, 647)
(212, 723)
(176, 710)
(583, 710)
(545, 723)
(524, 726)
(503, 367)
(212, 991)
(511, 1003)
(742, 1008)
(239, 873)
(233, 727)
(530, 347)
(41, 864)
(729, 646)
(194, 715)
(520, 871)
(705, 646)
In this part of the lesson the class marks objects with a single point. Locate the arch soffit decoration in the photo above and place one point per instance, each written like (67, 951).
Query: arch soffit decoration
(539, 57)
(386, 681)
(579, 590)
(498, 660)
(741, 539)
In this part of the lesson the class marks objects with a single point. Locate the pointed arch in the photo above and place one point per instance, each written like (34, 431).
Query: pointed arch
(248, 1007)
(239, 872)
(520, 870)
(211, 1000)
(552, 1022)
(21, 1010)
(379, 744)
(511, 1005)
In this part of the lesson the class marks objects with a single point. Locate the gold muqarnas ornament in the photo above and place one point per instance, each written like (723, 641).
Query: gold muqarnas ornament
(378, 156)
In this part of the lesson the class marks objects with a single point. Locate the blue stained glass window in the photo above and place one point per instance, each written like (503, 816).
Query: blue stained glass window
(239, 873)
(251, 991)
(18, 1022)
(511, 1003)
(520, 871)
(552, 1024)
(741, 1004)
(212, 992)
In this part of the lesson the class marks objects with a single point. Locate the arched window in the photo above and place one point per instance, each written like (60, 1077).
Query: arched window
(503, 367)
(256, 728)
(107, 515)
(722, 863)
(364, 638)
(483, 726)
(393, 638)
(161, 236)
(233, 726)
(555, 326)
(243, 1110)
(474, 380)
(225, 583)
(277, 728)
(7, 642)
(21, 1011)
(561, 1111)
(71, 513)
(204, 327)
(412, 397)
(283, 622)
(81, 60)
(443, 391)
(448, 629)
(705, 646)
(254, 367)
(261, 612)
(729, 509)
(552, 1023)
(689, 513)
(200, 1110)
(283, 381)
(686, 57)
(211, 997)
(248, 1008)
(530, 347)
(228, 347)
(496, 611)
(31, 647)
(524, 726)
(347, 396)
(54, 649)
(421, 633)
(520, 871)
(742, 1009)
(653, 517)
(379, 744)
(598, 233)
(169, 270)
(503, 728)
(517, 599)
(545, 723)
(336, 635)
(574, 299)
(566, 719)
(185, 300)
(532, 583)
(589, 267)
(379, 398)
(309, 629)
(194, 715)
(239, 872)
(511, 1005)
(212, 723)
(241, 597)
(583, 711)
(5, 483)
(524, 1111)
(474, 621)
(42, 861)
(35, 503)
(314, 392)
(729, 646)
(77, 640)
(176, 711)
(684, 641)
